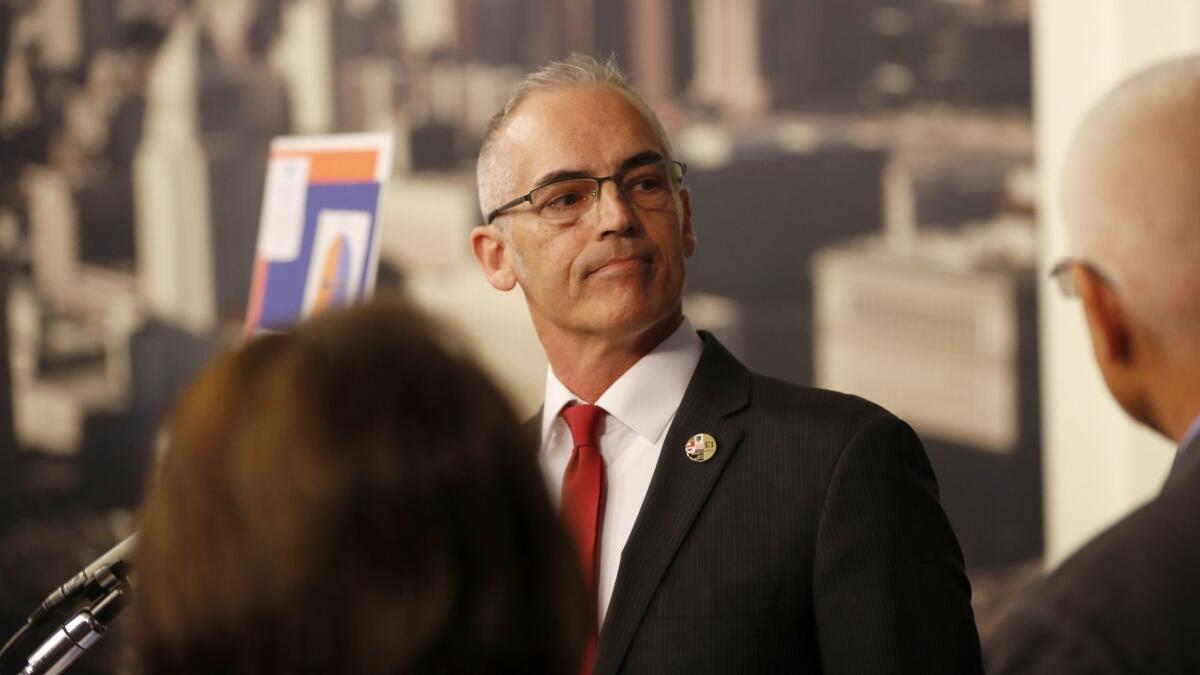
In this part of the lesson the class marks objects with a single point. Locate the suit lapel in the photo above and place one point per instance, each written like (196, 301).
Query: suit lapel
(677, 492)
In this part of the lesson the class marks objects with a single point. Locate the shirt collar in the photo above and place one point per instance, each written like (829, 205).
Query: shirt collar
(1191, 435)
(647, 395)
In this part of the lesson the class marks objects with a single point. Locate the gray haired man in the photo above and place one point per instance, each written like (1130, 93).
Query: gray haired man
(728, 522)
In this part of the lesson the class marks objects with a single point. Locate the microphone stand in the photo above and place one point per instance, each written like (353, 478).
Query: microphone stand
(83, 630)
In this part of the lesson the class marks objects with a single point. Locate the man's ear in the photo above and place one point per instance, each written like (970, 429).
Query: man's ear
(689, 234)
(490, 247)
(1126, 351)
(1108, 321)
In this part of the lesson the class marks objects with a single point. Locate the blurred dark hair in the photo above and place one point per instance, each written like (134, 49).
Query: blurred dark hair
(353, 497)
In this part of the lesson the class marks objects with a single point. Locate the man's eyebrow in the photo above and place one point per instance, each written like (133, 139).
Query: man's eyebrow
(643, 157)
(559, 174)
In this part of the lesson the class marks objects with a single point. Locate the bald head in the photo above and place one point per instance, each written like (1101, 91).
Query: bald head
(1132, 194)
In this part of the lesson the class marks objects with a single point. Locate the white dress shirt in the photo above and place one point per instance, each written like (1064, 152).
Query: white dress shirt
(640, 407)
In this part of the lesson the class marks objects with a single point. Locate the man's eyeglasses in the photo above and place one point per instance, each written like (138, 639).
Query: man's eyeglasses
(1061, 274)
(649, 186)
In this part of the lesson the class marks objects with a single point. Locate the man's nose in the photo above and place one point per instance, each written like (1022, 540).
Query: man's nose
(613, 211)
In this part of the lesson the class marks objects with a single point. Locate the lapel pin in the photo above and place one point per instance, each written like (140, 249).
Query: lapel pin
(700, 447)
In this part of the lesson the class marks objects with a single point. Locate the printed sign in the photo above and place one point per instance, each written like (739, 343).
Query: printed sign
(318, 238)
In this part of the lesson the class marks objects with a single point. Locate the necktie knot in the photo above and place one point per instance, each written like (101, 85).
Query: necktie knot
(584, 421)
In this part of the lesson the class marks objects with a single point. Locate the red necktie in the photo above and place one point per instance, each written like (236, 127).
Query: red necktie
(583, 496)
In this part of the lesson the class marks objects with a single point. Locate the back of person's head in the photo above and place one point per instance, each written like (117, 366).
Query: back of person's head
(1132, 188)
(1132, 205)
(355, 496)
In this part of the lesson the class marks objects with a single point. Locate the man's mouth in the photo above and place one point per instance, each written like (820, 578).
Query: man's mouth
(621, 264)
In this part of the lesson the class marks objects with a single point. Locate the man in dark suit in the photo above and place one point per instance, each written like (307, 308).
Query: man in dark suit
(1129, 601)
(729, 522)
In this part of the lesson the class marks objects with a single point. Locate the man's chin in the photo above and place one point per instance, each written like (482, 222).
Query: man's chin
(631, 318)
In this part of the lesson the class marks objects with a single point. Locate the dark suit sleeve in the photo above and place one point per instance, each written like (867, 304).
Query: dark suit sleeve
(889, 591)
(1041, 638)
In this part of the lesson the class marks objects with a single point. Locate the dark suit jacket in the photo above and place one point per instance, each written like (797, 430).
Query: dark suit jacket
(1127, 602)
(811, 542)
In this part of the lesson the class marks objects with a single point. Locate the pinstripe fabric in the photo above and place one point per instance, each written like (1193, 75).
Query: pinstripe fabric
(812, 542)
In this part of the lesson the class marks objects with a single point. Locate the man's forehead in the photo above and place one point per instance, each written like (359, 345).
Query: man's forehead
(590, 129)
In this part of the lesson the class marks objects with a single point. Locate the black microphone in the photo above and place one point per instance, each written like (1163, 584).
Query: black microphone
(102, 575)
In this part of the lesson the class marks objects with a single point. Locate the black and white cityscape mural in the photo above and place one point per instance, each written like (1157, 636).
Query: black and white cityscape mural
(862, 180)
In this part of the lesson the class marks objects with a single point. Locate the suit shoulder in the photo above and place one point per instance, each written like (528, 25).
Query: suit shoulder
(1129, 595)
(1139, 555)
(818, 409)
(776, 403)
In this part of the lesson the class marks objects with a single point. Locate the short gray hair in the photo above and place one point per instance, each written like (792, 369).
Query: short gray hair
(577, 70)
